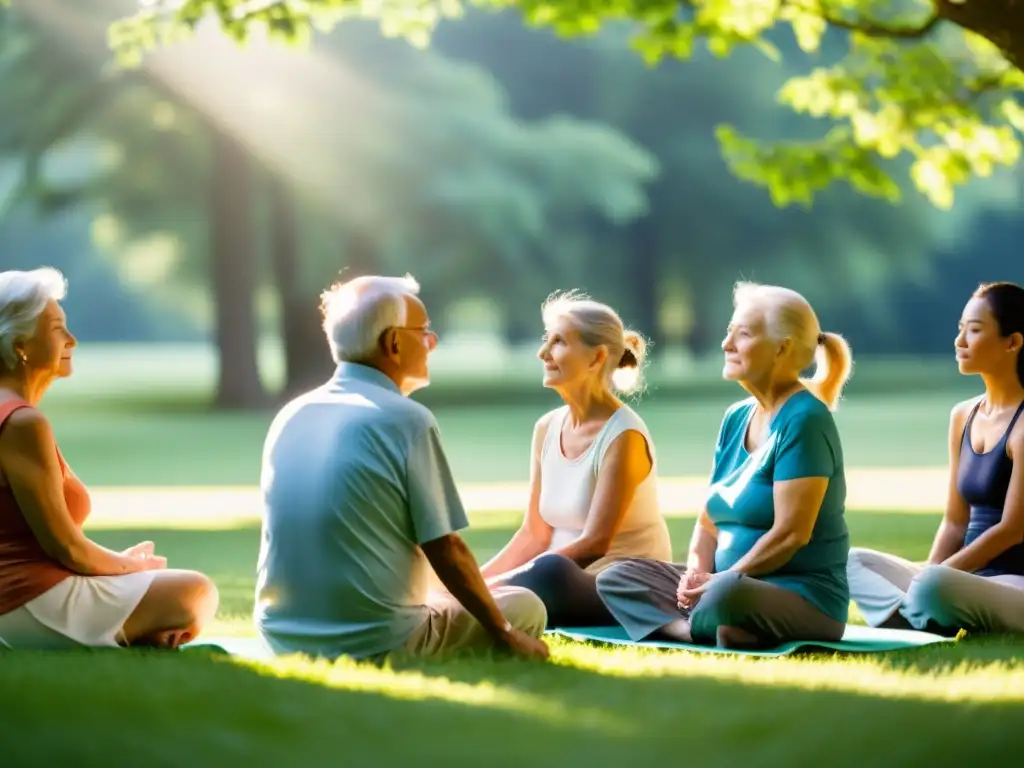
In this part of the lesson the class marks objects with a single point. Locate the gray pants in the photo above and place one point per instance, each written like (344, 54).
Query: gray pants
(569, 593)
(896, 593)
(641, 595)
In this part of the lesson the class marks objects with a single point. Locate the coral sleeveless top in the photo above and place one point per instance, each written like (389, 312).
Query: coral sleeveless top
(26, 571)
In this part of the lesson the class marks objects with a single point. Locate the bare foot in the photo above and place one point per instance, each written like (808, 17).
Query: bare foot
(678, 631)
(736, 638)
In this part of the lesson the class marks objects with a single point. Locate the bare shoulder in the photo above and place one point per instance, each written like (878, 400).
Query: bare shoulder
(27, 424)
(629, 441)
(959, 413)
(1015, 440)
(26, 432)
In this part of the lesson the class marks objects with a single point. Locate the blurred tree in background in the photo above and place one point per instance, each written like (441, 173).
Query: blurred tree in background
(217, 189)
(932, 81)
(414, 163)
(705, 229)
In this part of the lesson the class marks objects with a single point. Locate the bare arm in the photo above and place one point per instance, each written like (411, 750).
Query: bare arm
(949, 537)
(797, 504)
(626, 464)
(28, 458)
(703, 543)
(1009, 531)
(457, 569)
(534, 535)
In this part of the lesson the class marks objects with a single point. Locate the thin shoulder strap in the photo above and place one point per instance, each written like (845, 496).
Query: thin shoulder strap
(10, 406)
(1013, 421)
(965, 435)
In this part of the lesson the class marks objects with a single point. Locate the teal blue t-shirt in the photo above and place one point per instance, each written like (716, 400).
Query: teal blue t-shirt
(802, 442)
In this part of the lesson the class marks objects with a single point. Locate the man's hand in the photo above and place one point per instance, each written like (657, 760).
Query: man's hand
(456, 568)
(520, 644)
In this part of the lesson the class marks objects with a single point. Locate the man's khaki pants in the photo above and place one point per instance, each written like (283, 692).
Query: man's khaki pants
(451, 628)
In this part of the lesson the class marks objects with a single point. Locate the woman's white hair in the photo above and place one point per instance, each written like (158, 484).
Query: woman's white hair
(600, 325)
(788, 315)
(357, 312)
(23, 297)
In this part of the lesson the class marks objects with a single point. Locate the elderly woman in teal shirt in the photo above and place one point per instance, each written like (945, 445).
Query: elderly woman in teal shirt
(767, 559)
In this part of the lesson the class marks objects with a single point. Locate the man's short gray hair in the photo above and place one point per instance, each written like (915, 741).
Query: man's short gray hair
(23, 297)
(357, 312)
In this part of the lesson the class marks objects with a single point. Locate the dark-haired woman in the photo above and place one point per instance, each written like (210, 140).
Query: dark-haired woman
(974, 576)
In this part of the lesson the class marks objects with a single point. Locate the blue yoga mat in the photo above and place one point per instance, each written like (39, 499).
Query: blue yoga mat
(856, 639)
(243, 647)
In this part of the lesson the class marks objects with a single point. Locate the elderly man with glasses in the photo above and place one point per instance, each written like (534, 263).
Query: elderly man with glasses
(359, 504)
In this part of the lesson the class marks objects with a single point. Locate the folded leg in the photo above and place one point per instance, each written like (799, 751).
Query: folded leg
(641, 595)
(740, 611)
(569, 593)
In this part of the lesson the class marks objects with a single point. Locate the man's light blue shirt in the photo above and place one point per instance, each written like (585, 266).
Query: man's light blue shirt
(354, 479)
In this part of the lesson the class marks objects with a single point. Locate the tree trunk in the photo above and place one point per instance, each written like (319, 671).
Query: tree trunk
(703, 336)
(643, 278)
(1001, 22)
(234, 276)
(519, 327)
(307, 357)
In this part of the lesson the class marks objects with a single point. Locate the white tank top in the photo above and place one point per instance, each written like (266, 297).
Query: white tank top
(567, 489)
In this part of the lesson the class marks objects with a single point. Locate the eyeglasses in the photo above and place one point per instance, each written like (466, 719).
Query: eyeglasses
(417, 328)
(425, 331)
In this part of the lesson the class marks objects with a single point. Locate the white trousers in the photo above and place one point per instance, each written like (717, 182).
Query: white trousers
(896, 592)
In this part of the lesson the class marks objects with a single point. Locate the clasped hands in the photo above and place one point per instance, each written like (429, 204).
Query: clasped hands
(691, 586)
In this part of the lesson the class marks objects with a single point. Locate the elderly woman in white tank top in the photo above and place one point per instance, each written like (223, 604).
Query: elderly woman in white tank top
(593, 479)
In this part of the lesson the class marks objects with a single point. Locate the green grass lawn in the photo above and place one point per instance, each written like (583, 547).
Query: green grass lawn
(139, 415)
(588, 706)
(170, 442)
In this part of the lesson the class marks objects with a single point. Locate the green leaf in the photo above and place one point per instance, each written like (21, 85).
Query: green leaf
(1013, 112)
(808, 28)
(891, 95)
(936, 171)
(871, 180)
(720, 45)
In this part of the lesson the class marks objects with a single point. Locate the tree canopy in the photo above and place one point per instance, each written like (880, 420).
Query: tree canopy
(926, 87)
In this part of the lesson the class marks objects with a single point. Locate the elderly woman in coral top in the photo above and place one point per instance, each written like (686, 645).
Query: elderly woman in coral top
(58, 589)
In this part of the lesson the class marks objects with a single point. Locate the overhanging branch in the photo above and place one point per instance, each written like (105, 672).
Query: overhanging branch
(994, 81)
(868, 27)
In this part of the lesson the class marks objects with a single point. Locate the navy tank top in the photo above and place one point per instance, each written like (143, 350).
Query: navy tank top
(983, 479)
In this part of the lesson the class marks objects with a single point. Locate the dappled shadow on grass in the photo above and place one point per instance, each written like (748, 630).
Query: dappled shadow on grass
(192, 709)
(969, 653)
(750, 710)
(155, 709)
